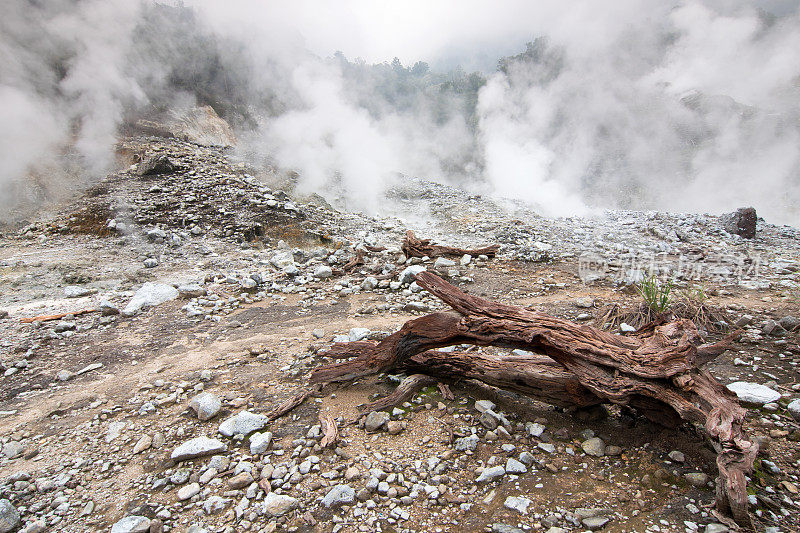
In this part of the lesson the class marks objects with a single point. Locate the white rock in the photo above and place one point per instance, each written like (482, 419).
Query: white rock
(375, 420)
(515, 467)
(37, 526)
(206, 405)
(191, 290)
(443, 263)
(358, 334)
(115, 430)
(282, 259)
(259, 442)
(467, 443)
(517, 503)
(626, 328)
(197, 447)
(323, 272)
(754, 393)
(77, 291)
(484, 405)
(534, 429)
(243, 423)
(214, 505)
(369, 283)
(143, 444)
(408, 274)
(339, 495)
(89, 368)
(132, 524)
(546, 447)
(594, 447)
(150, 295)
(13, 449)
(188, 491)
(9, 516)
(794, 409)
(279, 504)
(491, 473)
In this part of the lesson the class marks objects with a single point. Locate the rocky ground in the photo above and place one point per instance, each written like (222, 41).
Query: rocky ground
(199, 293)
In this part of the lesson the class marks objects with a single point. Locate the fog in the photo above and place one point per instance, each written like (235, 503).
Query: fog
(573, 107)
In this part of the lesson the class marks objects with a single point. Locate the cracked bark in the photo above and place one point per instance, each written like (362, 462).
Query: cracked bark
(656, 371)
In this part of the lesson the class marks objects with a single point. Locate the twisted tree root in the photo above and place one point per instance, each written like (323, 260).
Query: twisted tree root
(656, 371)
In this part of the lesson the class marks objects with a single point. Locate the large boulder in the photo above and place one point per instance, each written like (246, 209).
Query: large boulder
(741, 222)
(157, 164)
(9, 516)
(150, 295)
(200, 125)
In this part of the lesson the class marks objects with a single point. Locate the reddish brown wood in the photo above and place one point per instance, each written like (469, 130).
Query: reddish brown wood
(288, 405)
(657, 370)
(445, 391)
(404, 392)
(59, 316)
(356, 261)
(414, 247)
(330, 433)
(537, 377)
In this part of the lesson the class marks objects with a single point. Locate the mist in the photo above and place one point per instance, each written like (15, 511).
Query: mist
(685, 106)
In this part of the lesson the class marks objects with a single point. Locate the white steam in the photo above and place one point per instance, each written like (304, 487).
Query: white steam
(62, 93)
(689, 105)
(694, 111)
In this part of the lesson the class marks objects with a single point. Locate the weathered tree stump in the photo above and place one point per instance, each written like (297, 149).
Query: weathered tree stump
(657, 371)
(414, 247)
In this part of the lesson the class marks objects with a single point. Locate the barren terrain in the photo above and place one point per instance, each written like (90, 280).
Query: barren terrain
(93, 406)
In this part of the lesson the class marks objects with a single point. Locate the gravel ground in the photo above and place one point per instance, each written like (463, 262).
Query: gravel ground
(212, 292)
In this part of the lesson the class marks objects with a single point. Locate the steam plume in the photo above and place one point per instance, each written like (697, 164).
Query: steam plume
(683, 106)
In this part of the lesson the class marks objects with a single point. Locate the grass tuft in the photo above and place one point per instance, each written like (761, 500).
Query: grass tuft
(657, 295)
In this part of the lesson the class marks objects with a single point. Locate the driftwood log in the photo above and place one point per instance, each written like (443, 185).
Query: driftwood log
(414, 247)
(657, 371)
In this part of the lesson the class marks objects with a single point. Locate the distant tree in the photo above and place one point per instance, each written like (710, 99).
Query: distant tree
(420, 68)
(397, 66)
(547, 61)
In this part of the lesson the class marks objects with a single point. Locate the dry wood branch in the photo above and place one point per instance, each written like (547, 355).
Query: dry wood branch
(59, 316)
(288, 405)
(445, 391)
(655, 371)
(330, 432)
(404, 392)
(414, 247)
(356, 261)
